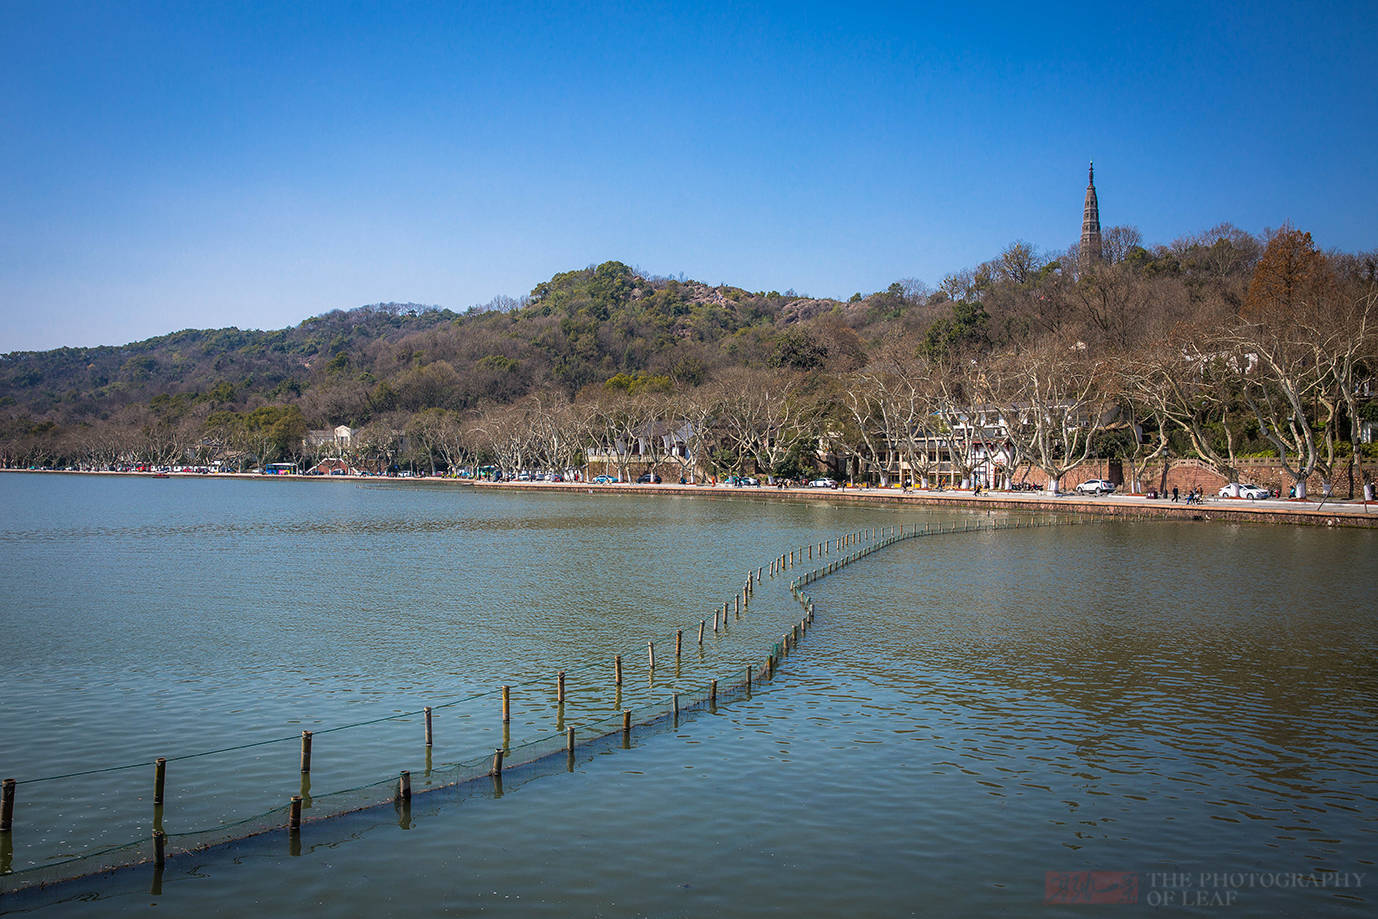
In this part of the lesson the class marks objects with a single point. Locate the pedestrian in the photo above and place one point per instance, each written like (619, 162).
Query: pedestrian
(1174, 494)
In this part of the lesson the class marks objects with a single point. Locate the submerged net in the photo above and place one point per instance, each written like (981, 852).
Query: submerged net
(604, 716)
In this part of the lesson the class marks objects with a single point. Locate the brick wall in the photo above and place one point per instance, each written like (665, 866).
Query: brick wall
(1185, 475)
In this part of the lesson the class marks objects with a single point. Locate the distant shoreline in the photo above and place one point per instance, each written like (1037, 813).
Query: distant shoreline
(1230, 510)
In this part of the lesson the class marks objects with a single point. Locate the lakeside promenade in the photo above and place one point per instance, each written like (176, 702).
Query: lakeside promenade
(1235, 510)
(1232, 510)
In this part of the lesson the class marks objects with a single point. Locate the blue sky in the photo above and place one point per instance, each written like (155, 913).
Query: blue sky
(176, 165)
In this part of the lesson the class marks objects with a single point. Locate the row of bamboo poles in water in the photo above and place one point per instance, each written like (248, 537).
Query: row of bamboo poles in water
(740, 603)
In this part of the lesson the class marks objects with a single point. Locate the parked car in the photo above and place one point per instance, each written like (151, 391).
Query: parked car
(1244, 490)
(648, 478)
(1096, 487)
(605, 480)
(744, 481)
(823, 483)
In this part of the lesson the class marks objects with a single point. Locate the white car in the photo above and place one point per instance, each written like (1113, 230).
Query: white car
(823, 483)
(1245, 490)
(1096, 487)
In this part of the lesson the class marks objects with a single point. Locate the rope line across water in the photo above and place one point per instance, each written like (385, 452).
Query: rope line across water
(695, 697)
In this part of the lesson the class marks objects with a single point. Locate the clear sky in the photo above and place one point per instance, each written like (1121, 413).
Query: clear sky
(176, 165)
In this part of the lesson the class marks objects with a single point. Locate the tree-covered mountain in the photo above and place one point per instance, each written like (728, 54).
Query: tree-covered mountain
(609, 329)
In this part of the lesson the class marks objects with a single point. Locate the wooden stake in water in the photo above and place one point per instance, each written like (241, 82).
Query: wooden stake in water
(560, 687)
(627, 722)
(569, 741)
(429, 736)
(702, 623)
(497, 762)
(651, 652)
(679, 642)
(617, 670)
(748, 678)
(294, 814)
(507, 704)
(159, 779)
(159, 848)
(404, 786)
(7, 806)
(713, 687)
(305, 752)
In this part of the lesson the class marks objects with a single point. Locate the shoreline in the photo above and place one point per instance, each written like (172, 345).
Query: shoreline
(1230, 510)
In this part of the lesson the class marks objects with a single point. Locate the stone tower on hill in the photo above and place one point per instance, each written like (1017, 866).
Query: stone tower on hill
(1090, 222)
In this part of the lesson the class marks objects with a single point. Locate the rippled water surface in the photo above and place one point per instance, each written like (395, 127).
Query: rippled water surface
(969, 713)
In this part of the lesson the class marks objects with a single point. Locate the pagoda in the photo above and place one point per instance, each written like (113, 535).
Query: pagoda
(1090, 223)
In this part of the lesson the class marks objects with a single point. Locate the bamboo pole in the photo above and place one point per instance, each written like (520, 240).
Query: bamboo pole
(560, 687)
(679, 642)
(617, 670)
(305, 752)
(569, 741)
(159, 779)
(429, 735)
(404, 786)
(497, 762)
(702, 622)
(159, 848)
(713, 688)
(651, 652)
(506, 704)
(294, 814)
(7, 806)
(626, 722)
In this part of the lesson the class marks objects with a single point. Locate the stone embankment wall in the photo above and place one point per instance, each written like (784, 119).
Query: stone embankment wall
(1224, 509)
(1184, 475)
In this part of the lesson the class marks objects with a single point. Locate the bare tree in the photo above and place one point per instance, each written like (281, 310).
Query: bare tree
(1052, 400)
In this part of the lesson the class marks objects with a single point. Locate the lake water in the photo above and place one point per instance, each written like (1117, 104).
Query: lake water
(1187, 707)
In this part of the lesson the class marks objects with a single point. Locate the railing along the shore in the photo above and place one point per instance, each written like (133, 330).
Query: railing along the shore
(603, 723)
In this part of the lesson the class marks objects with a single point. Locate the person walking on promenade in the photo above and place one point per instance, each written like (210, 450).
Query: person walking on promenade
(1174, 494)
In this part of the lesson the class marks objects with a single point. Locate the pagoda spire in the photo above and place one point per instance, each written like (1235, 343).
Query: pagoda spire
(1090, 221)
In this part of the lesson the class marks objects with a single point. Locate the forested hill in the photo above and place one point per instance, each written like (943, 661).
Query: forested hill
(608, 328)
(215, 365)
(578, 328)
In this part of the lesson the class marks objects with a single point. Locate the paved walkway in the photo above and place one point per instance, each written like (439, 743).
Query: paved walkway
(1311, 512)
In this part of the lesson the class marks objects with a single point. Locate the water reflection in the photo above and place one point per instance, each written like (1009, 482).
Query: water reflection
(1151, 687)
(966, 714)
